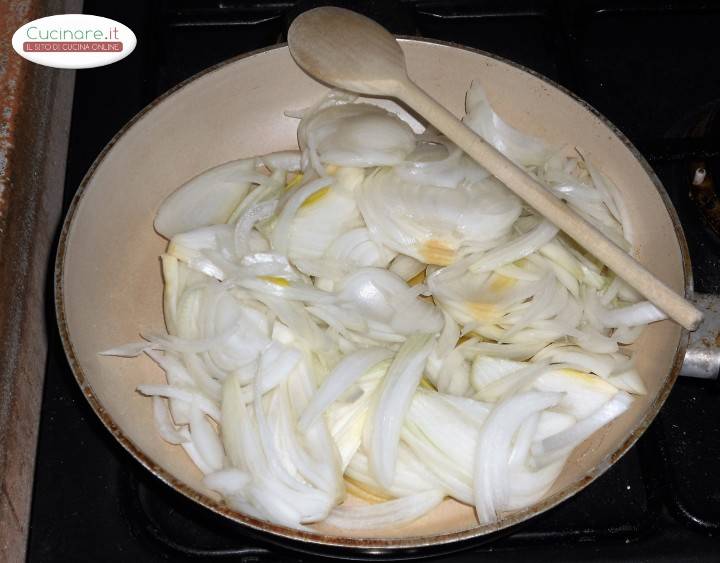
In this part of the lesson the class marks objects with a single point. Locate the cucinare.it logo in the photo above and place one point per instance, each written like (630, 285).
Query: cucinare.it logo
(74, 41)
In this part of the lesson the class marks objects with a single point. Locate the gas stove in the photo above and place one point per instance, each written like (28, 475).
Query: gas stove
(647, 66)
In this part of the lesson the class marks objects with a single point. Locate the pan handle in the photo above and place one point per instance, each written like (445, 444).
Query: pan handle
(702, 358)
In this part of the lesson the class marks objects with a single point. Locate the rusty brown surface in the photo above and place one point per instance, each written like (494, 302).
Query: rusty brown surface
(35, 105)
(705, 196)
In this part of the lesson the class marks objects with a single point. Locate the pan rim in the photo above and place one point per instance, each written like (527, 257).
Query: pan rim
(368, 545)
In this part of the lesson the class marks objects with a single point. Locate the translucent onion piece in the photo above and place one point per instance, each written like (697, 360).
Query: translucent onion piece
(203, 403)
(196, 458)
(430, 223)
(492, 458)
(446, 344)
(207, 199)
(247, 221)
(347, 372)
(227, 481)
(638, 314)
(321, 223)
(281, 232)
(528, 486)
(356, 135)
(486, 370)
(512, 382)
(436, 420)
(412, 475)
(282, 160)
(394, 399)
(165, 425)
(206, 441)
(548, 449)
(171, 290)
(356, 249)
(574, 356)
(131, 350)
(396, 512)
(518, 248)
(584, 393)
(406, 267)
(346, 418)
(385, 300)
(441, 164)
(629, 381)
(519, 147)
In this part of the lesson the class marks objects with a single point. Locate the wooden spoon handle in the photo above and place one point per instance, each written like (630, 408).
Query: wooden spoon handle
(545, 203)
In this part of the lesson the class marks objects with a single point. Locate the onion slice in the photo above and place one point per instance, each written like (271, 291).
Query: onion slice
(396, 393)
(347, 372)
(549, 449)
(396, 512)
(492, 460)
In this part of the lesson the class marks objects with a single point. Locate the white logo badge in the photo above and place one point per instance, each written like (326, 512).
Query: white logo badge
(74, 41)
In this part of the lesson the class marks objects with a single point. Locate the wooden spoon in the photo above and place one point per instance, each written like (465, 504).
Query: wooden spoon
(352, 52)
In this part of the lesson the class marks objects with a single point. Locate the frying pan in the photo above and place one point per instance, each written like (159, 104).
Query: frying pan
(109, 287)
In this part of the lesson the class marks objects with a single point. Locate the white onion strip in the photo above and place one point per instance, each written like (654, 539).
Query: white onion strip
(396, 512)
(203, 403)
(518, 248)
(491, 479)
(347, 372)
(165, 425)
(547, 450)
(247, 221)
(397, 390)
(281, 233)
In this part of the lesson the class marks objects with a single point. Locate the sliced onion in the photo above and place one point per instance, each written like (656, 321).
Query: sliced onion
(385, 301)
(203, 403)
(431, 223)
(196, 458)
(247, 221)
(165, 425)
(547, 450)
(302, 318)
(406, 267)
(487, 369)
(396, 512)
(527, 486)
(601, 364)
(281, 232)
(517, 146)
(491, 478)
(356, 135)
(445, 426)
(642, 313)
(282, 160)
(629, 381)
(412, 475)
(518, 248)
(584, 393)
(357, 249)
(395, 396)
(227, 482)
(347, 372)
(206, 441)
(207, 199)
(130, 350)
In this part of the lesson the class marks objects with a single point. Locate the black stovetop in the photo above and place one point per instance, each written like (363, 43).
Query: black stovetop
(648, 66)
